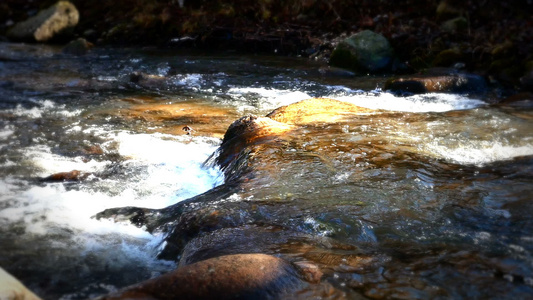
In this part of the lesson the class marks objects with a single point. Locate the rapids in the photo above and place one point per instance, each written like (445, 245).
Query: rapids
(438, 189)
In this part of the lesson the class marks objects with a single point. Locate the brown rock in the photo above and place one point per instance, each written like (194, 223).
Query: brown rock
(240, 276)
(180, 118)
(245, 132)
(438, 81)
(73, 175)
(47, 24)
(316, 110)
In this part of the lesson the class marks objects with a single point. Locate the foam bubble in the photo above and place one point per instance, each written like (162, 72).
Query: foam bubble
(271, 98)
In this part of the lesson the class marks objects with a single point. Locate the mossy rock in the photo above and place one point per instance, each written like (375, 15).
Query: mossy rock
(448, 58)
(365, 51)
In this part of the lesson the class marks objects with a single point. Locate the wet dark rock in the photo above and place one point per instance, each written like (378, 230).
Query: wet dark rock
(438, 81)
(521, 100)
(51, 23)
(73, 175)
(332, 72)
(148, 80)
(79, 46)
(365, 51)
(527, 80)
(241, 276)
(243, 133)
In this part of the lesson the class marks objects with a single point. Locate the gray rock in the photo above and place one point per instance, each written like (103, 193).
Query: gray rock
(50, 23)
(79, 46)
(365, 51)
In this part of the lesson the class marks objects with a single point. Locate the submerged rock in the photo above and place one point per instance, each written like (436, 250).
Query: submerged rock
(48, 24)
(365, 51)
(22, 51)
(79, 46)
(303, 184)
(184, 117)
(438, 81)
(241, 276)
(73, 175)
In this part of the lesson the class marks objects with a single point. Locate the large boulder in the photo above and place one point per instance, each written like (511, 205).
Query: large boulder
(365, 51)
(240, 276)
(48, 24)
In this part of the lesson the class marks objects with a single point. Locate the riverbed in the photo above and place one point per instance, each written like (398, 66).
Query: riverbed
(434, 191)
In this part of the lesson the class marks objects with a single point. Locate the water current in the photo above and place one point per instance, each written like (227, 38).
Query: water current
(438, 189)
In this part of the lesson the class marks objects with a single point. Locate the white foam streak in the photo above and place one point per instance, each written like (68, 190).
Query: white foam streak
(44, 106)
(480, 153)
(271, 98)
(47, 163)
(415, 103)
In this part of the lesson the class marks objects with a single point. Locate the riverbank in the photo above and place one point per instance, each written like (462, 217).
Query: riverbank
(490, 38)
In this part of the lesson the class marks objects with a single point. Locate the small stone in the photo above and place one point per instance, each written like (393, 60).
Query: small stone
(73, 175)
(79, 46)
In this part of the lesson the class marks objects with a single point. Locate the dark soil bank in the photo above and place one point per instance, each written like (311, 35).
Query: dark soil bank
(492, 38)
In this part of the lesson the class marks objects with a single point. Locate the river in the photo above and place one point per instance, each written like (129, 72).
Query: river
(436, 193)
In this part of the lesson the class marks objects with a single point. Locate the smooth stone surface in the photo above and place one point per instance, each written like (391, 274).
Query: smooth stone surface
(365, 51)
(12, 289)
(241, 276)
(315, 111)
(47, 24)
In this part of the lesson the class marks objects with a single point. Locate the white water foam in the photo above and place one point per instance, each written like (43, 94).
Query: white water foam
(417, 103)
(479, 153)
(271, 98)
(161, 170)
(44, 106)
(268, 98)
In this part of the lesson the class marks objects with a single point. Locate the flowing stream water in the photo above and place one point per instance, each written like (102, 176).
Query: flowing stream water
(439, 184)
